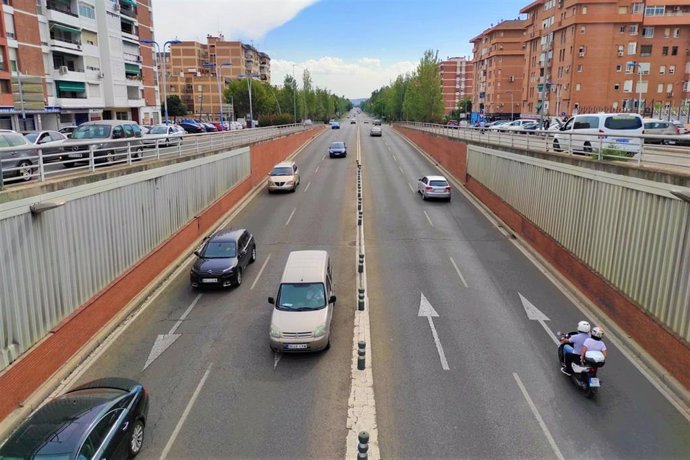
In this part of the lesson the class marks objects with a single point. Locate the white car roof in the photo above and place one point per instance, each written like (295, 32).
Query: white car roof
(436, 178)
(285, 164)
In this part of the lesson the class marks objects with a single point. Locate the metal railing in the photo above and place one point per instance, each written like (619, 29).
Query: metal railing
(644, 150)
(19, 165)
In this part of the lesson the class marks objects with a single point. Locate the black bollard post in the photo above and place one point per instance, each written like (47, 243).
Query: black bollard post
(361, 355)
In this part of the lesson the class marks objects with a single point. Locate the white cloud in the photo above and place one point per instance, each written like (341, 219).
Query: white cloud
(353, 79)
(236, 19)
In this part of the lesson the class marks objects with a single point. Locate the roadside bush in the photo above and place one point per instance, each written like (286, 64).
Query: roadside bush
(274, 119)
(611, 153)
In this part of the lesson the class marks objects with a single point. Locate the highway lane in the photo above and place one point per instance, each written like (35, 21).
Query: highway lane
(218, 391)
(496, 357)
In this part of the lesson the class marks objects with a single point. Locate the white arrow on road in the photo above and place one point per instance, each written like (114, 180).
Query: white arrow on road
(535, 314)
(163, 341)
(425, 309)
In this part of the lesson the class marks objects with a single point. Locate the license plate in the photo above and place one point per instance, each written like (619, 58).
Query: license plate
(209, 280)
(623, 141)
(594, 382)
(74, 155)
(296, 346)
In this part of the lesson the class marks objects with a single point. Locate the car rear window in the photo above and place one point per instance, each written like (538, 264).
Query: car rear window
(623, 122)
(438, 183)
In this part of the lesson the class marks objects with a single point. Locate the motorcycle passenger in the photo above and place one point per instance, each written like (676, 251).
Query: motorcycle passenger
(572, 346)
(594, 343)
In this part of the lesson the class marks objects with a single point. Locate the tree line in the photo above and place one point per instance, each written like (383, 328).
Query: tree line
(276, 105)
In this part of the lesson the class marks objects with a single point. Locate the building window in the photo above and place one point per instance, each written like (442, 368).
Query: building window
(622, 29)
(645, 50)
(674, 51)
(584, 10)
(87, 11)
(667, 32)
(642, 86)
(662, 69)
(660, 88)
(671, 69)
(622, 10)
(579, 67)
(620, 50)
(3, 66)
(577, 87)
(664, 50)
(637, 8)
(5, 87)
(676, 32)
(627, 86)
(616, 86)
(581, 51)
(632, 48)
(633, 29)
(619, 67)
(583, 29)
(629, 67)
(648, 32)
(654, 10)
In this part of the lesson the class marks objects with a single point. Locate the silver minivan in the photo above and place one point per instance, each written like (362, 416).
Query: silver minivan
(303, 307)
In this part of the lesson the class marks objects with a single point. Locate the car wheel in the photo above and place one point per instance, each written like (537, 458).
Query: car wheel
(25, 171)
(556, 146)
(423, 196)
(138, 154)
(253, 259)
(587, 147)
(448, 200)
(328, 344)
(238, 277)
(110, 157)
(136, 439)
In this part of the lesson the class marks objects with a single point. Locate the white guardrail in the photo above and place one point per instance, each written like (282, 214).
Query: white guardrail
(21, 164)
(650, 150)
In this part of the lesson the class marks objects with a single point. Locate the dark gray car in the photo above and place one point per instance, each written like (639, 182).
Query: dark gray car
(337, 149)
(102, 136)
(17, 159)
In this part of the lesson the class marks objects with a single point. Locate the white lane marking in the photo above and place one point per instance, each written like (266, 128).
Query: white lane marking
(425, 309)
(316, 170)
(534, 314)
(276, 359)
(290, 218)
(462, 278)
(323, 157)
(307, 187)
(401, 170)
(260, 272)
(394, 157)
(411, 188)
(543, 426)
(429, 219)
(185, 314)
(185, 414)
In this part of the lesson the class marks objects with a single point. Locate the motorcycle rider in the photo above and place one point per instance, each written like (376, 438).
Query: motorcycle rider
(594, 343)
(572, 346)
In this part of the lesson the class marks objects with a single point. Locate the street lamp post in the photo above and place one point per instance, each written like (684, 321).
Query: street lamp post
(220, 93)
(165, 83)
(294, 96)
(249, 88)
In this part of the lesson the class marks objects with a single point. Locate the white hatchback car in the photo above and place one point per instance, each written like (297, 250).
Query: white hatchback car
(434, 187)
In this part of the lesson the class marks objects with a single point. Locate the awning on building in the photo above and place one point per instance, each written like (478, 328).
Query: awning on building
(132, 69)
(65, 28)
(131, 3)
(71, 86)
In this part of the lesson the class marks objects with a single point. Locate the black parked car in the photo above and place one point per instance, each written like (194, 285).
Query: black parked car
(337, 149)
(192, 128)
(222, 258)
(101, 419)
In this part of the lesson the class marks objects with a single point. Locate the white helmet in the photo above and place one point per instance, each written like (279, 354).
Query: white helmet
(598, 332)
(584, 327)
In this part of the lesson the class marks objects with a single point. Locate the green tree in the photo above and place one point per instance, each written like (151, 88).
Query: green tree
(176, 108)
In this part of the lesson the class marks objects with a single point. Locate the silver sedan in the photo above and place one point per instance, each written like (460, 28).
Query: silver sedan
(434, 187)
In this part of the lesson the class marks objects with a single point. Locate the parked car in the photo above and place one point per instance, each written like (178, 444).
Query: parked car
(209, 127)
(335, 125)
(163, 136)
(145, 128)
(222, 258)
(105, 418)
(586, 133)
(434, 187)
(376, 131)
(102, 135)
(50, 143)
(68, 130)
(337, 149)
(191, 127)
(219, 126)
(235, 126)
(16, 158)
(283, 177)
(655, 127)
(453, 124)
(516, 125)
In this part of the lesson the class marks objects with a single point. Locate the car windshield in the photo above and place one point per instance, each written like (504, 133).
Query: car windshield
(219, 250)
(438, 183)
(31, 137)
(301, 296)
(159, 130)
(92, 132)
(338, 145)
(282, 171)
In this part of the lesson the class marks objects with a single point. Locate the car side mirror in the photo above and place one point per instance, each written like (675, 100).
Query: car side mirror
(271, 300)
(331, 299)
(197, 253)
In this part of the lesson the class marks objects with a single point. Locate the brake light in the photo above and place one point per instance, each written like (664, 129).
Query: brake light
(428, 188)
(676, 129)
(447, 189)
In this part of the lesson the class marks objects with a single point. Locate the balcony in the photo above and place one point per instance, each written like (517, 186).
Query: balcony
(128, 8)
(670, 18)
(130, 57)
(61, 6)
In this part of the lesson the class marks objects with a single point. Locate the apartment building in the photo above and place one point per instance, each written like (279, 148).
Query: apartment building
(72, 61)
(197, 72)
(498, 57)
(457, 77)
(618, 55)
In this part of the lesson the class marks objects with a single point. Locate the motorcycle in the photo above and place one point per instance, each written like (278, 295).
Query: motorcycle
(585, 375)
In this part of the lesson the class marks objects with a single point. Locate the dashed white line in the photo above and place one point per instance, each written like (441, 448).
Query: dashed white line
(316, 170)
(185, 414)
(290, 218)
(401, 170)
(411, 187)
(307, 187)
(260, 272)
(543, 426)
(429, 219)
(462, 278)
(323, 157)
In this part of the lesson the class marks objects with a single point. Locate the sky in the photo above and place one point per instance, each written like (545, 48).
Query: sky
(350, 47)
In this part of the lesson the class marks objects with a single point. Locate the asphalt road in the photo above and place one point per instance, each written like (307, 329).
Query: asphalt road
(477, 408)
(478, 388)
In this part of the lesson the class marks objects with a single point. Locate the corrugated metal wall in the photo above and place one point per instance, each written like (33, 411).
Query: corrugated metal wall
(633, 232)
(52, 263)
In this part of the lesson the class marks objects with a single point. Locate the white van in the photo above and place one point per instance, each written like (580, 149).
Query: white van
(303, 308)
(589, 133)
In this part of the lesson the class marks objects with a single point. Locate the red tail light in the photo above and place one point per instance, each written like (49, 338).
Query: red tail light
(447, 189)
(676, 129)
(428, 188)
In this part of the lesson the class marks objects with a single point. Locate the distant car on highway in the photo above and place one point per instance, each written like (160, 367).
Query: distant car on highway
(436, 187)
(222, 258)
(377, 122)
(283, 177)
(163, 136)
(335, 125)
(353, 121)
(50, 143)
(376, 131)
(16, 163)
(337, 149)
(105, 418)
